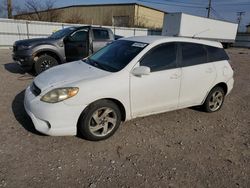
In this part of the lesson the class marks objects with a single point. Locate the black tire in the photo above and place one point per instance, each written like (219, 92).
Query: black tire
(88, 122)
(208, 104)
(44, 62)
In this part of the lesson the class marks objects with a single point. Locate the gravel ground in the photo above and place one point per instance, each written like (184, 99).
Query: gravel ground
(184, 148)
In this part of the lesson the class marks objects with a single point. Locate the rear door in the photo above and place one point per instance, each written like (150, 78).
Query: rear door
(77, 45)
(198, 75)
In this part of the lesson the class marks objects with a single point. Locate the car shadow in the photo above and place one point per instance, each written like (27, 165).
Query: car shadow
(197, 108)
(17, 69)
(21, 115)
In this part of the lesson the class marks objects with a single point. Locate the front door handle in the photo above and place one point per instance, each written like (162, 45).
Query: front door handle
(175, 76)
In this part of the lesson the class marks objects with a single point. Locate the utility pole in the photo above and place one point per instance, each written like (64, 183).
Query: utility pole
(209, 8)
(240, 14)
(9, 8)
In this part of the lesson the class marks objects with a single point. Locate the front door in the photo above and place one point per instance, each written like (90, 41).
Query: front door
(76, 45)
(158, 91)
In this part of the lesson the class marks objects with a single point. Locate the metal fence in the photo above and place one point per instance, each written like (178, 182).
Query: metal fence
(12, 30)
(242, 40)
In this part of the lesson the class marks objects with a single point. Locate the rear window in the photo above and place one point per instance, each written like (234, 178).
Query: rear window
(216, 54)
(193, 54)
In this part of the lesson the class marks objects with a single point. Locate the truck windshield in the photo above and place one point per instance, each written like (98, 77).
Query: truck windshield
(61, 33)
(116, 55)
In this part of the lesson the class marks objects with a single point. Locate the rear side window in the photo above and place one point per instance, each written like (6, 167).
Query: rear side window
(216, 54)
(161, 57)
(100, 34)
(193, 54)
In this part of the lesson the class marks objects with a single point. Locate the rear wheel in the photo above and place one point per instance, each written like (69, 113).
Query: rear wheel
(44, 62)
(100, 120)
(214, 100)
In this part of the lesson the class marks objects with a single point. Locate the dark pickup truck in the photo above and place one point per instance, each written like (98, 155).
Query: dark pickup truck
(66, 45)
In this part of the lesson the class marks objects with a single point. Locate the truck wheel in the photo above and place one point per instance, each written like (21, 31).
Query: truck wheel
(44, 62)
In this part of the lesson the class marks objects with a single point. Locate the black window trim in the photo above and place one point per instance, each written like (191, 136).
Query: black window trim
(177, 55)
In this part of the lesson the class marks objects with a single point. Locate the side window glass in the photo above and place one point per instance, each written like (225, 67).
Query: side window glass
(193, 54)
(100, 34)
(79, 36)
(161, 57)
(216, 54)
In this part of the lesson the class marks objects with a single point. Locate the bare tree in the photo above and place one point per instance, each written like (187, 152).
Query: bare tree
(36, 10)
(74, 17)
(3, 8)
(34, 7)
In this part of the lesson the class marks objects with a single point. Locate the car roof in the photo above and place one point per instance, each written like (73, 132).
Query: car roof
(162, 39)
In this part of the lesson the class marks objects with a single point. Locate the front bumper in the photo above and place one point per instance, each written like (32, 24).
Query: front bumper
(23, 57)
(57, 119)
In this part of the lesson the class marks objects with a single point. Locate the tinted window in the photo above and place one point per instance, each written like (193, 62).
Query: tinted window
(161, 57)
(63, 32)
(193, 54)
(100, 34)
(216, 54)
(79, 36)
(116, 55)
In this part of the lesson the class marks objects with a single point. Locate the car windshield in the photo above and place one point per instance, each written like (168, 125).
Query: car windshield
(61, 33)
(116, 55)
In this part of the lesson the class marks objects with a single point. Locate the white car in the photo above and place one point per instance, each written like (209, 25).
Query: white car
(129, 78)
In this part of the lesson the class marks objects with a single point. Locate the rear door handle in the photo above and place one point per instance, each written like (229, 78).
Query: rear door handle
(209, 70)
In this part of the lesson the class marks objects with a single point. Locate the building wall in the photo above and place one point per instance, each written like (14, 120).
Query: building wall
(132, 15)
(97, 15)
(146, 17)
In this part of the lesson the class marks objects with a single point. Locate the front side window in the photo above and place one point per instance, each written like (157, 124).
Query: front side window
(79, 36)
(116, 55)
(62, 33)
(161, 57)
(193, 54)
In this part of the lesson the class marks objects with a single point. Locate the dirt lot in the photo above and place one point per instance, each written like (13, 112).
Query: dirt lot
(185, 148)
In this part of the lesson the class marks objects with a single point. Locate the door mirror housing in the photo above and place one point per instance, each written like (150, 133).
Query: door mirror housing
(141, 70)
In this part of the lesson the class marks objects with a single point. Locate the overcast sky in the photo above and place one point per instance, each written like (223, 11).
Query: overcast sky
(221, 9)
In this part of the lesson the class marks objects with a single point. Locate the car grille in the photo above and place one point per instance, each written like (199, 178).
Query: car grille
(34, 89)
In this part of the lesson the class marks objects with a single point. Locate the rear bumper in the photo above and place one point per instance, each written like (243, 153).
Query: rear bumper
(230, 85)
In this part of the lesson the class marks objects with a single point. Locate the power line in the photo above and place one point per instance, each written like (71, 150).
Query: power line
(169, 4)
(217, 14)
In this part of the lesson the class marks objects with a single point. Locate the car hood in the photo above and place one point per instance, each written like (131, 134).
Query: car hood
(32, 42)
(62, 75)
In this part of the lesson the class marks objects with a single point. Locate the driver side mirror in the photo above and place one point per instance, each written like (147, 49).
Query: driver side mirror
(141, 70)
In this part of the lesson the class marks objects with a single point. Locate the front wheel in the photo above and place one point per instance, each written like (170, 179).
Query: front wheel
(214, 100)
(44, 62)
(100, 120)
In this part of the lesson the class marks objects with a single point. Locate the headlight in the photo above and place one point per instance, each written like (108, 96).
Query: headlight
(59, 94)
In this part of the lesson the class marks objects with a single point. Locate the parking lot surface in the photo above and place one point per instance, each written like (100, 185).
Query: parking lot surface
(184, 148)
